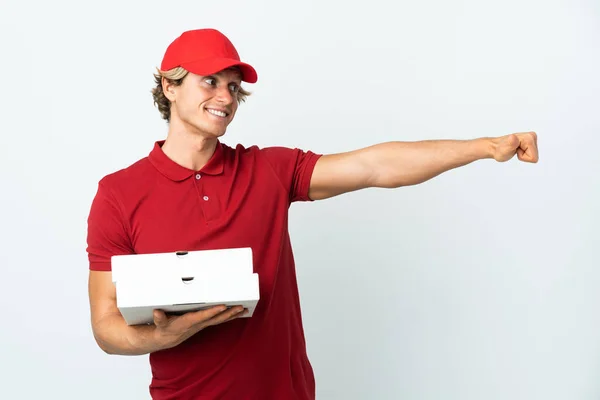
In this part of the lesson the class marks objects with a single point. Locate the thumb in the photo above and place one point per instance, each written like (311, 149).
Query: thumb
(507, 147)
(513, 141)
(160, 318)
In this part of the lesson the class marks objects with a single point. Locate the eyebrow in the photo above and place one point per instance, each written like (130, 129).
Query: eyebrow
(235, 71)
(237, 79)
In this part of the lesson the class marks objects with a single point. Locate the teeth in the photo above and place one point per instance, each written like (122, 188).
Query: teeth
(217, 113)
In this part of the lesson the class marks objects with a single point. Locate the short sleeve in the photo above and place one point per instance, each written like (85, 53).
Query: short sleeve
(294, 168)
(107, 234)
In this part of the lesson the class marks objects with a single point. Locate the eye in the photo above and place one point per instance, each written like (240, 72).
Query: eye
(234, 87)
(211, 81)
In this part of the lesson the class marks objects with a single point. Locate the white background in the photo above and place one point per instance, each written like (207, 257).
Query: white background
(483, 283)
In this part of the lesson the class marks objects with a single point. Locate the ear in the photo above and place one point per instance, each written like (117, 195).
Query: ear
(168, 89)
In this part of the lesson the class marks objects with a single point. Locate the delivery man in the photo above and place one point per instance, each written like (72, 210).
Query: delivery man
(193, 192)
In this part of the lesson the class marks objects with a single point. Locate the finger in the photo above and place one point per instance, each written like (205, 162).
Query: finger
(198, 317)
(228, 315)
(528, 151)
(528, 143)
(533, 148)
(238, 315)
(160, 318)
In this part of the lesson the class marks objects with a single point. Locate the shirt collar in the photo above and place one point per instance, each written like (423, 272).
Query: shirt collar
(176, 172)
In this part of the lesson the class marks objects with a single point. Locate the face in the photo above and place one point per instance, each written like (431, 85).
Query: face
(205, 105)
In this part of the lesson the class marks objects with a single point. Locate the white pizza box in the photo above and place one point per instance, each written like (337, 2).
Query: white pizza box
(183, 281)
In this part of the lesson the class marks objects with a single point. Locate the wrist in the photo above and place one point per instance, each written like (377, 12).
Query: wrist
(158, 340)
(487, 147)
(146, 339)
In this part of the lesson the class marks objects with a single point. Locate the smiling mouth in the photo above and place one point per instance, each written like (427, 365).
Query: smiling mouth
(217, 113)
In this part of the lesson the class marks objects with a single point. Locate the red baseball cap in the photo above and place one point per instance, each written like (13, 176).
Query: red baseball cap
(205, 52)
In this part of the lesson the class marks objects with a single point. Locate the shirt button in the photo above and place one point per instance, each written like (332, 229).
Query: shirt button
(205, 198)
(198, 176)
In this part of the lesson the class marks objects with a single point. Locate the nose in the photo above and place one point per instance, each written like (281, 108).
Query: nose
(224, 95)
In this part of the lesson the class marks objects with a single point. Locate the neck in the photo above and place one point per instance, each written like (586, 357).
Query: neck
(190, 150)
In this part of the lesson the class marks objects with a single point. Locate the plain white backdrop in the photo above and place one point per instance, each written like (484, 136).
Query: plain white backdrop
(480, 284)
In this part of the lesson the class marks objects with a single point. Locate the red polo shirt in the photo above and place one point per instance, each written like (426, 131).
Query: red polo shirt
(239, 199)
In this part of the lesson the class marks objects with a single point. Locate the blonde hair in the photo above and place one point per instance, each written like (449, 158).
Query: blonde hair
(175, 76)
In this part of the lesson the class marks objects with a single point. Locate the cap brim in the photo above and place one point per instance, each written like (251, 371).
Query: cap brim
(208, 67)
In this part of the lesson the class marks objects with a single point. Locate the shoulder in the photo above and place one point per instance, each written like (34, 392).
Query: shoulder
(254, 153)
(126, 177)
(270, 153)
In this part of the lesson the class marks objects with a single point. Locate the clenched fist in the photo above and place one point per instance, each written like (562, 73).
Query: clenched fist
(524, 145)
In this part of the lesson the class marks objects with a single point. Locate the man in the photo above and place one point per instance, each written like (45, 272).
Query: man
(193, 192)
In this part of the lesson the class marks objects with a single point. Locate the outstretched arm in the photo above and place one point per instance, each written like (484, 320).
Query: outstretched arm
(396, 164)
